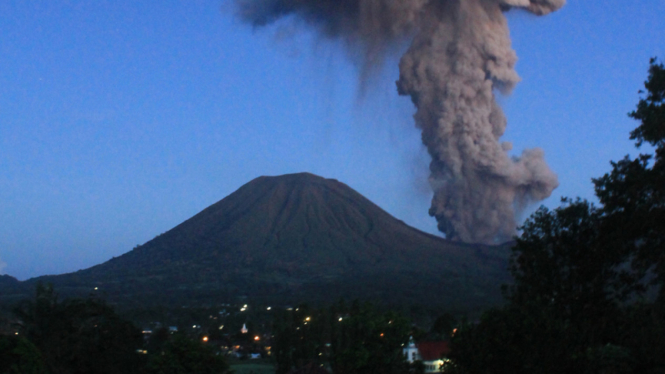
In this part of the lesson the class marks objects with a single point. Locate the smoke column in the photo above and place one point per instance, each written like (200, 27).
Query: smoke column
(460, 55)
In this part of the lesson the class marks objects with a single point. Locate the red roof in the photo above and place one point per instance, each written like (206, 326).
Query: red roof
(430, 351)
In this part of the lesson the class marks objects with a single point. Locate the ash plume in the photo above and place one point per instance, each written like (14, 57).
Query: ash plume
(460, 55)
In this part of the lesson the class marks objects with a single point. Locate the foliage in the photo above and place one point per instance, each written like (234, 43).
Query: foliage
(643, 332)
(650, 110)
(443, 327)
(252, 367)
(563, 260)
(79, 336)
(158, 340)
(299, 338)
(87, 336)
(367, 340)
(577, 303)
(633, 193)
(182, 355)
(351, 339)
(19, 356)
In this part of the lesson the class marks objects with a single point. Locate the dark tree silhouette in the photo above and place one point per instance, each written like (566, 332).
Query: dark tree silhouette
(182, 355)
(633, 193)
(577, 304)
(80, 336)
(19, 356)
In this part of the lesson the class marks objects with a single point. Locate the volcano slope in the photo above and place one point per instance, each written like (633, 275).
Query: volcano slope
(295, 238)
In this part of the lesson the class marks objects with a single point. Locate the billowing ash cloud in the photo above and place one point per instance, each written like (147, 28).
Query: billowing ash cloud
(459, 56)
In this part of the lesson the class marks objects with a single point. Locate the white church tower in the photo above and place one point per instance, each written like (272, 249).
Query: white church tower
(410, 351)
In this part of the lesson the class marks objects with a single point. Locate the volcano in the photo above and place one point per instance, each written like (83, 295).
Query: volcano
(290, 239)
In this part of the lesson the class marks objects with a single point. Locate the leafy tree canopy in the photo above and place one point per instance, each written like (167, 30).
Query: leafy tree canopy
(79, 336)
(182, 355)
(650, 110)
(19, 356)
(356, 338)
(633, 193)
(577, 304)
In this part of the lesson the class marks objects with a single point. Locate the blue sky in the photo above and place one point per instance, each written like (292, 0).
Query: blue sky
(119, 119)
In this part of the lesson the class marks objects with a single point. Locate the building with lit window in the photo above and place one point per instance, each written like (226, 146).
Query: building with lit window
(430, 353)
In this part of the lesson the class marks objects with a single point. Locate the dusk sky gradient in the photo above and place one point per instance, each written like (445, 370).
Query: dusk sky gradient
(121, 119)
